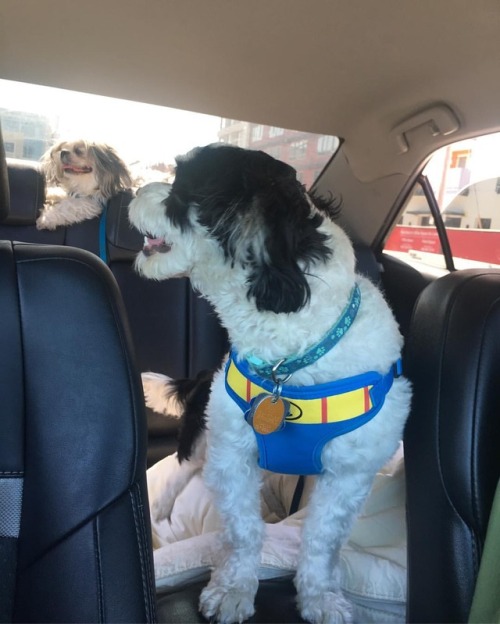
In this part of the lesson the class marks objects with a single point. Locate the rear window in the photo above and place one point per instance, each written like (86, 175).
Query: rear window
(147, 137)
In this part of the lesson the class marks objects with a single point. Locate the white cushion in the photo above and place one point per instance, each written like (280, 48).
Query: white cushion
(373, 563)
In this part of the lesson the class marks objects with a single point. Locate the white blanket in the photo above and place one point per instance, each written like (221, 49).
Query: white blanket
(373, 562)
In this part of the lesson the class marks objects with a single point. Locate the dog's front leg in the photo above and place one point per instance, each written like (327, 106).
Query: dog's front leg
(334, 504)
(233, 475)
(48, 218)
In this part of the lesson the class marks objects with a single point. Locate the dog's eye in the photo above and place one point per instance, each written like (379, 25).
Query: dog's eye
(78, 151)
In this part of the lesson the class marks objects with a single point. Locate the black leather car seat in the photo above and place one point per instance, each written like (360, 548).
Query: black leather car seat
(73, 444)
(27, 194)
(452, 440)
(75, 540)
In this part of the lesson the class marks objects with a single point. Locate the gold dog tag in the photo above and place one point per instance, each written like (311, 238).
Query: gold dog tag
(268, 413)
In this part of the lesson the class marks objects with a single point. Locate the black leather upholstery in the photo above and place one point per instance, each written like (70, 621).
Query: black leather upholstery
(77, 432)
(402, 287)
(27, 188)
(452, 440)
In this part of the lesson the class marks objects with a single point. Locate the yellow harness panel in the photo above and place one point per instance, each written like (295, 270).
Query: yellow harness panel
(306, 411)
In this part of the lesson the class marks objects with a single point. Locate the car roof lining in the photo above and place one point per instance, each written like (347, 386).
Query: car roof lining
(297, 65)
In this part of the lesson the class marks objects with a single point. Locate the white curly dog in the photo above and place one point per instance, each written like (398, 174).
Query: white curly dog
(312, 384)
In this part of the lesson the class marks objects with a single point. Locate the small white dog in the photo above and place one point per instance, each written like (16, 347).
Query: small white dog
(80, 177)
(312, 384)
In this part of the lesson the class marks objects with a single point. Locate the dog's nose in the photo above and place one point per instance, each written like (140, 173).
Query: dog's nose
(64, 153)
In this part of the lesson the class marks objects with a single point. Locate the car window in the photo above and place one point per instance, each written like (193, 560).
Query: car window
(464, 180)
(147, 137)
(415, 239)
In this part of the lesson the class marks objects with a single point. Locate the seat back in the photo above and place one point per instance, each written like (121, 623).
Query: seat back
(452, 440)
(72, 444)
(27, 196)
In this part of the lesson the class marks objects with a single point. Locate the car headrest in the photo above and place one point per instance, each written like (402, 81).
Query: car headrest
(27, 192)
(124, 241)
(4, 182)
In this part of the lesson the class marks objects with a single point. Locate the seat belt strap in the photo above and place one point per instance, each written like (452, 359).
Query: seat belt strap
(103, 250)
(297, 495)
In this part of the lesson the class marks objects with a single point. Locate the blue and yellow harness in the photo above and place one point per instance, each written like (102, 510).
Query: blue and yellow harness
(316, 415)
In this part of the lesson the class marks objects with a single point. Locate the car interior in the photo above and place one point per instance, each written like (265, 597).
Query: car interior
(396, 83)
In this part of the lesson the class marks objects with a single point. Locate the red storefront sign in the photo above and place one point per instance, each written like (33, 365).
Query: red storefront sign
(481, 245)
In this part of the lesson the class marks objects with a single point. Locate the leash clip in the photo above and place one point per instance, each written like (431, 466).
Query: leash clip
(278, 382)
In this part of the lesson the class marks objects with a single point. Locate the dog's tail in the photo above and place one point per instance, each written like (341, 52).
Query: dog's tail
(184, 399)
(160, 393)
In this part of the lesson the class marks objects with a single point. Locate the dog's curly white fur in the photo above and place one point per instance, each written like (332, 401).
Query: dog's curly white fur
(80, 176)
(279, 272)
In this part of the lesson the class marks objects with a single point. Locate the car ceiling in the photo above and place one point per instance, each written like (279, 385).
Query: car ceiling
(352, 68)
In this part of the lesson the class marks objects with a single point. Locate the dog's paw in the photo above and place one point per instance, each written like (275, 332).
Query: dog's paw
(329, 608)
(44, 222)
(226, 605)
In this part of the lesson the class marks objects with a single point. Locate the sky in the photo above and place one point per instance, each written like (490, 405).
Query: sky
(138, 132)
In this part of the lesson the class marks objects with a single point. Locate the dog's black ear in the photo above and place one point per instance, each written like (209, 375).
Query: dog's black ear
(278, 274)
(289, 236)
(278, 288)
(177, 209)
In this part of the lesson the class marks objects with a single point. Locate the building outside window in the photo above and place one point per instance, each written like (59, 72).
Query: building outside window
(257, 132)
(298, 149)
(327, 144)
(274, 131)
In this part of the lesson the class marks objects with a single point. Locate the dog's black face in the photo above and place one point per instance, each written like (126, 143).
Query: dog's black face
(259, 213)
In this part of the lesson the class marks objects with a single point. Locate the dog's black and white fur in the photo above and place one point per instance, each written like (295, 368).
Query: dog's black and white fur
(186, 400)
(81, 176)
(279, 272)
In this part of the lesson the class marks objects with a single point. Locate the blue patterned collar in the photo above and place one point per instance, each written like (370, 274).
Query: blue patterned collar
(287, 366)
